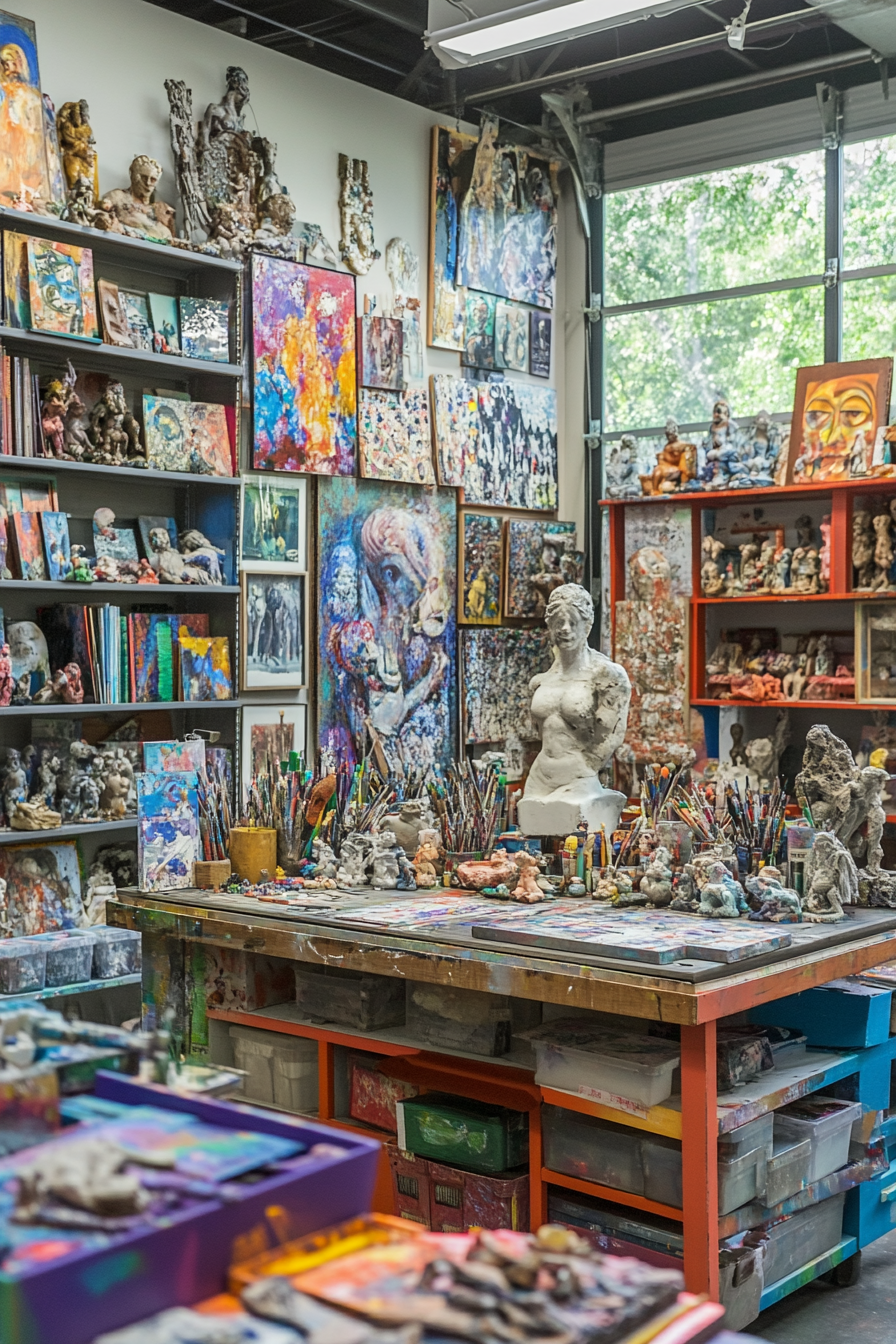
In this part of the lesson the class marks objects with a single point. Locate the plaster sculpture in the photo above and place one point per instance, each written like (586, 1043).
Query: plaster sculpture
(712, 582)
(113, 431)
(13, 783)
(477, 874)
(831, 881)
(617, 888)
(200, 553)
(684, 891)
(763, 449)
(324, 859)
(356, 246)
(413, 817)
(311, 240)
(385, 862)
(354, 860)
(35, 816)
(862, 549)
(656, 884)
(407, 878)
(621, 471)
(777, 904)
(425, 859)
(721, 897)
(134, 210)
(580, 709)
(675, 467)
(720, 452)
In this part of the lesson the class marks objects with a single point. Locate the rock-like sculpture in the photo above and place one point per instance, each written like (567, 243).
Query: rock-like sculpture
(656, 884)
(114, 432)
(477, 874)
(356, 216)
(580, 708)
(777, 904)
(134, 210)
(618, 889)
(722, 897)
(354, 860)
(841, 796)
(412, 817)
(831, 881)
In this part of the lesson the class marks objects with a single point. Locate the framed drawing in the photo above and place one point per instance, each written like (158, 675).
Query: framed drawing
(273, 522)
(269, 733)
(837, 411)
(272, 652)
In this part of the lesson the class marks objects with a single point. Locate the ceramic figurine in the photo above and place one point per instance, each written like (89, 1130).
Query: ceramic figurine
(425, 859)
(78, 149)
(777, 904)
(354, 860)
(762, 451)
(311, 240)
(13, 782)
(721, 897)
(806, 571)
(134, 210)
(617, 888)
(883, 552)
(656, 884)
(795, 682)
(580, 709)
(831, 881)
(171, 566)
(685, 895)
(356, 246)
(412, 817)
(114, 433)
(200, 553)
(79, 796)
(385, 864)
(621, 471)
(720, 452)
(527, 889)
(7, 682)
(675, 467)
(34, 816)
(407, 878)
(476, 874)
(712, 583)
(863, 545)
(324, 859)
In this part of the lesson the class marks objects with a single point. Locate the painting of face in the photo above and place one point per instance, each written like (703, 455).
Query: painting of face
(304, 398)
(838, 410)
(387, 660)
(23, 155)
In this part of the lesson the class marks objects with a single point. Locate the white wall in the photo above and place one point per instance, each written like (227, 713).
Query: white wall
(118, 53)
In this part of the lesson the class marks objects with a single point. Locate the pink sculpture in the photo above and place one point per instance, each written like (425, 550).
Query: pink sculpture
(7, 684)
(527, 889)
(479, 873)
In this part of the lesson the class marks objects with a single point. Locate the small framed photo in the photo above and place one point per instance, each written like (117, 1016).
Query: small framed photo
(273, 525)
(165, 324)
(136, 312)
(273, 631)
(269, 733)
(540, 325)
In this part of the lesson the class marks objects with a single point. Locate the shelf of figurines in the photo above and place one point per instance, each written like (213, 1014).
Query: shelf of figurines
(151, 475)
(100, 826)
(707, 499)
(135, 590)
(100, 355)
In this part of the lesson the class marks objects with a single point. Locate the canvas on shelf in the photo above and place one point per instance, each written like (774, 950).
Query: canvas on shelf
(205, 329)
(273, 639)
(163, 314)
(168, 839)
(135, 304)
(837, 411)
(112, 315)
(23, 151)
(273, 524)
(60, 289)
(147, 523)
(29, 546)
(187, 436)
(56, 545)
(205, 666)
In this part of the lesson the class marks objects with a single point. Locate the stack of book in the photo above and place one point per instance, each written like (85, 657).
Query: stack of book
(21, 434)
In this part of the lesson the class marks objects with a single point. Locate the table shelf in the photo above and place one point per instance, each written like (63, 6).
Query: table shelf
(610, 1193)
(846, 1247)
(121, 707)
(65, 991)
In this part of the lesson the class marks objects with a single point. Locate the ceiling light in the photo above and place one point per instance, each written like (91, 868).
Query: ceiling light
(502, 30)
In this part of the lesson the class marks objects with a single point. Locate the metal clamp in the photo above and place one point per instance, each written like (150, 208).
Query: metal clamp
(595, 312)
(831, 275)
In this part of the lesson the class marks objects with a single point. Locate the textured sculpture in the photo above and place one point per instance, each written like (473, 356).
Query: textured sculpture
(831, 881)
(675, 467)
(385, 862)
(78, 149)
(580, 709)
(656, 884)
(840, 795)
(354, 860)
(114, 432)
(777, 904)
(721, 897)
(134, 210)
(425, 860)
(622, 480)
(356, 216)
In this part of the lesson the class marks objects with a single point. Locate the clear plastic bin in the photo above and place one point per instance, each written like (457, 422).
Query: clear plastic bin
(460, 1019)
(583, 1056)
(742, 1179)
(23, 965)
(350, 998)
(754, 1134)
(788, 1169)
(796, 1240)
(280, 1070)
(662, 1169)
(115, 952)
(592, 1149)
(69, 956)
(827, 1122)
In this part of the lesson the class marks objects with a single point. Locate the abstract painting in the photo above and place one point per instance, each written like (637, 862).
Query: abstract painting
(540, 344)
(165, 326)
(497, 666)
(205, 329)
(408, 311)
(118, 543)
(60, 288)
(273, 642)
(651, 644)
(209, 439)
(516, 466)
(387, 656)
(29, 546)
(168, 842)
(43, 888)
(535, 554)
(381, 343)
(23, 153)
(837, 411)
(166, 422)
(507, 239)
(270, 733)
(668, 529)
(304, 400)
(177, 756)
(205, 666)
(452, 163)
(455, 403)
(135, 305)
(481, 562)
(511, 337)
(56, 545)
(479, 331)
(272, 528)
(394, 437)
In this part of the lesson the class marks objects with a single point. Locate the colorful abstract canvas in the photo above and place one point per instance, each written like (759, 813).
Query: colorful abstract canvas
(452, 162)
(42, 888)
(204, 666)
(479, 331)
(209, 439)
(60, 289)
(135, 305)
(151, 648)
(16, 303)
(23, 154)
(516, 466)
(29, 546)
(651, 643)
(177, 756)
(168, 841)
(394, 437)
(166, 422)
(497, 666)
(304, 398)
(165, 325)
(507, 236)
(272, 528)
(381, 345)
(205, 329)
(273, 645)
(387, 661)
(481, 564)
(56, 545)
(537, 563)
(511, 337)
(455, 409)
(118, 543)
(540, 344)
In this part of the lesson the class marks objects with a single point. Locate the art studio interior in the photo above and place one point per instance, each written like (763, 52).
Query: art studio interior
(447, 672)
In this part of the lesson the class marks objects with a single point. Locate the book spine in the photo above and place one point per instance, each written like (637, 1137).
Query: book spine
(27, 426)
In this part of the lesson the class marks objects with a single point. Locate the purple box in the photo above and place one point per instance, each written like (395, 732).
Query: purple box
(99, 1289)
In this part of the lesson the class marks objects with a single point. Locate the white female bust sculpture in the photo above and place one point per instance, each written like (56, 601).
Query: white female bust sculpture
(580, 708)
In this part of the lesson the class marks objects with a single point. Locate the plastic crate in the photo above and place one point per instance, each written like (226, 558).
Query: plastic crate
(410, 1182)
(23, 965)
(116, 952)
(460, 1199)
(827, 1122)
(69, 956)
(471, 1134)
(742, 1179)
(349, 998)
(788, 1169)
(280, 1069)
(662, 1169)
(460, 1019)
(592, 1149)
(582, 1055)
(373, 1094)
(756, 1133)
(796, 1240)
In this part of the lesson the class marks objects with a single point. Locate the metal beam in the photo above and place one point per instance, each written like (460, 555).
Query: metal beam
(311, 37)
(725, 86)
(379, 12)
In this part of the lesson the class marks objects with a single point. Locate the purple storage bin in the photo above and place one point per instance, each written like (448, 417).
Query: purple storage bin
(101, 1289)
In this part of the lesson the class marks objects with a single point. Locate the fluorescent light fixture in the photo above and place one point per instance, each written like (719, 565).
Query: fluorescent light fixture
(506, 31)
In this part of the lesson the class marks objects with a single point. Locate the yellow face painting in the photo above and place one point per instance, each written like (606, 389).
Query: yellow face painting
(838, 427)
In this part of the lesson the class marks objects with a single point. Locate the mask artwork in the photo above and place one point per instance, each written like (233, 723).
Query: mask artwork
(837, 411)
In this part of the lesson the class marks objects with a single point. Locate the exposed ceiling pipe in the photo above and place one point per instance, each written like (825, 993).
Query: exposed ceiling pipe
(380, 12)
(310, 37)
(761, 79)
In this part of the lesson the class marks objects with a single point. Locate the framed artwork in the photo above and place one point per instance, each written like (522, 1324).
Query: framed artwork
(387, 556)
(16, 300)
(837, 410)
(511, 337)
(479, 331)
(56, 545)
(273, 631)
(118, 543)
(165, 325)
(480, 563)
(394, 437)
(51, 141)
(112, 315)
(408, 311)
(204, 666)
(540, 328)
(43, 887)
(148, 522)
(381, 344)
(166, 424)
(304, 382)
(168, 840)
(875, 652)
(456, 428)
(23, 152)
(507, 222)
(29, 546)
(273, 523)
(205, 329)
(516, 465)
(452, 163)
(60, 288)
(209, 437)
(269, 733)
(535, 553)
(136, 313)
(179, 756)
(497, 665)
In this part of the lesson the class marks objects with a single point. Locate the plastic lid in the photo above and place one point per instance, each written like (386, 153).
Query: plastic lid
(815, 1108)
(580, 1033)
(22, 947)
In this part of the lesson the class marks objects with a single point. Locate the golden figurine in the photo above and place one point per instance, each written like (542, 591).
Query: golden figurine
(78, 148)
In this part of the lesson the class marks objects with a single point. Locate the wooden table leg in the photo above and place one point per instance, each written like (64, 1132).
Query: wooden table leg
(699, 1133)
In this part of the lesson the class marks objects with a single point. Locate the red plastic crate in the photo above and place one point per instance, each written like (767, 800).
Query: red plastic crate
(373, 1094)
(410, 1180)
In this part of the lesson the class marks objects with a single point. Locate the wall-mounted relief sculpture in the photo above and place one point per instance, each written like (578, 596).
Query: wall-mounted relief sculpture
(356, 215)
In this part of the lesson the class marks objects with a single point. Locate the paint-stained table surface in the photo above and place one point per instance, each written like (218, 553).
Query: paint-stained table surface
(340, 932)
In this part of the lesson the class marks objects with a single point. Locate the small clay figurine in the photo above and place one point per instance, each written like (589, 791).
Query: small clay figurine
(863, 545)
(684, 891)
(7, 682)
(146, 573)
(134, 210)
(737, 754)
(883, 552)
(14, 783)
(34, 816)
(172, 567)
(806, 570)
(763, 450)
(675, 466)
(425, 859)
(722, 897)
(831, 880)
(795, 681)
(354, 860)
(113, 432)
(407, 878)
(656, 884)
(78, 149)
(781, 579)
(527, 889)
(777, 904)
(385, 864)
(324, 859)
(622, 469)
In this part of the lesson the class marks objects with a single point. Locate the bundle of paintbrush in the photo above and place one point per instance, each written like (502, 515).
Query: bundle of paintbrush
(214, 812)
(657, 789)
(471, 805)
(692, 807)
(758, 820)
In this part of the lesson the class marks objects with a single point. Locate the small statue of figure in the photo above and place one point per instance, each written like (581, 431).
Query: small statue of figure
(831, 881)
(7, 681)
(824, 554)
(750, 569)
(354, 860)
(805, 530)
(527, 889)
(763, 450)
(781, 578)
(795, 682)
(146, 573)
(79, 796)
(78, 149)
(720, 450)
(676, 465)
(684, 892)
(170, 565)
(883, 552)
(34, 816)
(114, 432)
(134, 210)
(722, 897)
(622, 469)
(200, 553)
(777, 904)
(619, 890)
(324, 859)
(863, 546)
(656, 884)
(711, 575)
(356, 246)
(52, 418)
(412, 817)
(14, 783)
(806, 570)
(385, 864)
(407, 878)
(425, 859)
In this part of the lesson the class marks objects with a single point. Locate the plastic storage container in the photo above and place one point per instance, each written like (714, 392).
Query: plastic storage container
(788, 1169)
(115, 952)
(372, 1094)
(756, 1133)
(459, 1019)
(593, 1150)
(69, 956)
(280, 1070)
(470, 1134)
(23, 965)
(662, 1169)
(461, 1199)
(349, 998)
(742, 1179)
(583, 1056)
(660, 1236)
(796, 1240)
(827, 1123)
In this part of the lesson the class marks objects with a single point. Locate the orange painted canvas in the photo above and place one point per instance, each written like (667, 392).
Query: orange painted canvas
(305, 385)
(23, 153)
(836, 414)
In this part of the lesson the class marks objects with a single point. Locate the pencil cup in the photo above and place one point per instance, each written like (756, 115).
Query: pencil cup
(253, 849)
